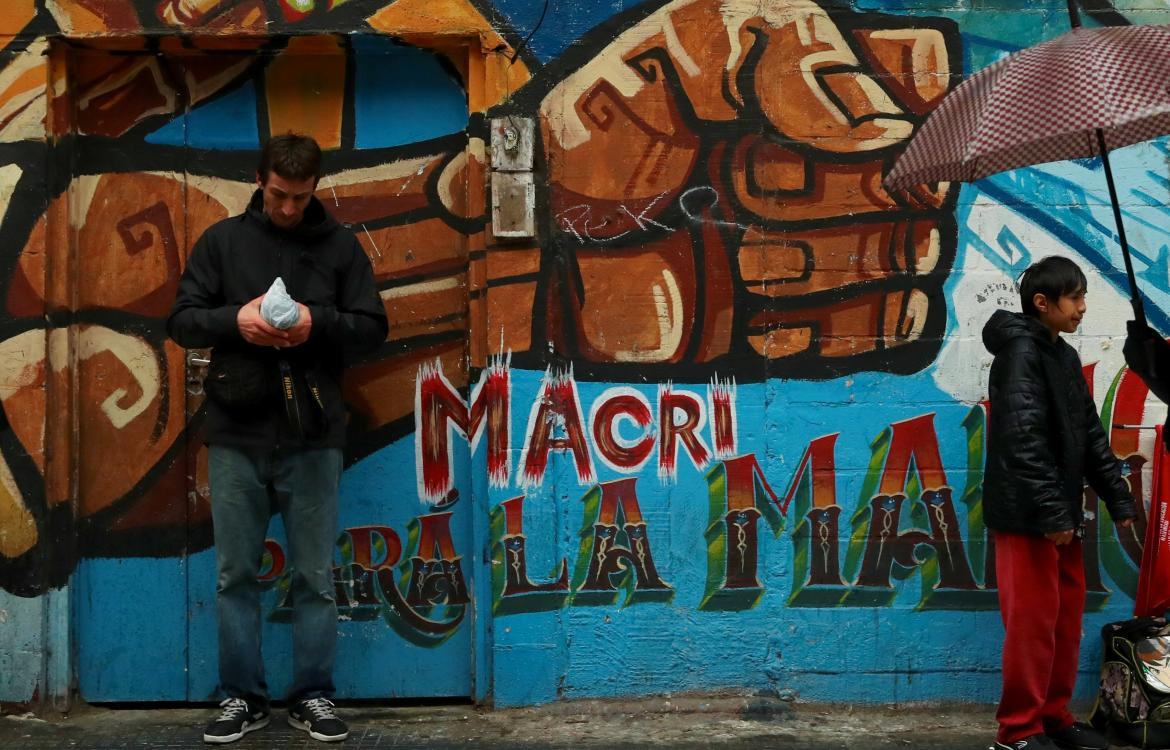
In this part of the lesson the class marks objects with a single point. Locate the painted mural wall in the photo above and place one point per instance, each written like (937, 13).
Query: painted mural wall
(718, 424)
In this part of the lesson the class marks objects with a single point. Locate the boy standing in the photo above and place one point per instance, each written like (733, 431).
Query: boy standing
(1045, 440)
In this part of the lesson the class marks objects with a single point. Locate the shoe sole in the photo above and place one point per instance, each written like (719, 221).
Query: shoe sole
(304, 727)
(223, 740)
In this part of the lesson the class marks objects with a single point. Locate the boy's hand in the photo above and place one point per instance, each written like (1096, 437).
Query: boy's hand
(1060, 537)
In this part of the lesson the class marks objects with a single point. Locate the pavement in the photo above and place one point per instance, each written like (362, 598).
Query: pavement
(738, 721)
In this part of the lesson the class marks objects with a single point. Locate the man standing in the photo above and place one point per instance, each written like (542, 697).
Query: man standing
(276, 421)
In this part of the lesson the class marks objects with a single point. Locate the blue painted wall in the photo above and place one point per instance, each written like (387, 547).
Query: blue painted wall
(511, 432)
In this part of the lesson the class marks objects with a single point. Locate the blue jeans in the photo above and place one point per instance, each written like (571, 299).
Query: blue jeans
(246, 486)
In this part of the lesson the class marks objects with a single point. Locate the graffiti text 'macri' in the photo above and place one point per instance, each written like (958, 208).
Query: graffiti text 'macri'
(621, 430)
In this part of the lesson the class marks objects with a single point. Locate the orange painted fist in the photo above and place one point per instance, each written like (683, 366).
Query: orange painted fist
(715, 192)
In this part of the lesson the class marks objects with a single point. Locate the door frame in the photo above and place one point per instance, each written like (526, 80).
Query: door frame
(486, 70)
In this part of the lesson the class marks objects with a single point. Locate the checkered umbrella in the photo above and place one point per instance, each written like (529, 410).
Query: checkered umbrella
(1078, 95)
(1045, 103)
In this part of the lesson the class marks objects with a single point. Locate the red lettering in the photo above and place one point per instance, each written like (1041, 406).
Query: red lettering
(616, 546)
(736, 487)
(273, 562)
(912, 440)
(438, 407)
(814, 488)
(672, 404)
(555, 425)
(436, 575)
(371, 547)
(721, 399)
(615, 405)
(510, 571)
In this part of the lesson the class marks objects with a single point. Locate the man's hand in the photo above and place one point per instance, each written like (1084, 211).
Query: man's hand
(1060, 537)
(1123, 523)
(299, 332)
(256, 330)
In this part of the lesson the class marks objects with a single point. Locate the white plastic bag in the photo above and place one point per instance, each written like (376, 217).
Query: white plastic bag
(277, 308)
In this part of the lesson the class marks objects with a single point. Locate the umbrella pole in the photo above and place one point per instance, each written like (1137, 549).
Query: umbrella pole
(1134, 299)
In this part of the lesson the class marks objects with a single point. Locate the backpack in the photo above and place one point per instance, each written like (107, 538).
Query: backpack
(1134, 699)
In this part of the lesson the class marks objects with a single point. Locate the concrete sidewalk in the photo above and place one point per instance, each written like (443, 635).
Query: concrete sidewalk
(723, 721)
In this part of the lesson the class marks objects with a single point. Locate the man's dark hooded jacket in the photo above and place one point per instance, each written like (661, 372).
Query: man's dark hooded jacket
(1044, 437)
(324, 268)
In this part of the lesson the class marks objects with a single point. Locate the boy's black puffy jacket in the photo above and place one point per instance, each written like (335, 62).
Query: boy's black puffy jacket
(1044, 437)
(323, 267)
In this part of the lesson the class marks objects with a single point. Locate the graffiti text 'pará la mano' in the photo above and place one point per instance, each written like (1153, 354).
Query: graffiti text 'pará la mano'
(907, 520)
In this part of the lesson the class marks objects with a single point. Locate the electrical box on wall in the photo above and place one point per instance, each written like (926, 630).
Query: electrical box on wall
(513, 204)
(513, 188)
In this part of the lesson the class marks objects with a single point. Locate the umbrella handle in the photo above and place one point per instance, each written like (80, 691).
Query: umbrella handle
(1139, 311)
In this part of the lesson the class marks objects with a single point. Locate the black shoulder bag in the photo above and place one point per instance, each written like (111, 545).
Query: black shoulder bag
(238, 381)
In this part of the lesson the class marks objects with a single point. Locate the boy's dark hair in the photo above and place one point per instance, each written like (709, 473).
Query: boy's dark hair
(1053, 277)
(292, 156)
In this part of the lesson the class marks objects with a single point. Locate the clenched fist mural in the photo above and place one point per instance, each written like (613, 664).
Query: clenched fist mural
(714, 192)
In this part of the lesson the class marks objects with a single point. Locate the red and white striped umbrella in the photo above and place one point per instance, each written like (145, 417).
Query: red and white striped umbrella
(1045, 103)
(1081, 94)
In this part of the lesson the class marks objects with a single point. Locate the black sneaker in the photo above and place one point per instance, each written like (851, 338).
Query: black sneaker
(1079, 736)
(235, 720)
(315, 716)
(1033, 742)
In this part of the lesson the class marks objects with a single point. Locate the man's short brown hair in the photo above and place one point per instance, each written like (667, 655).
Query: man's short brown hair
(292, 156)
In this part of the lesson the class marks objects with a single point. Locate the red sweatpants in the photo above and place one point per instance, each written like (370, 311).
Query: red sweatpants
(1042, 601)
